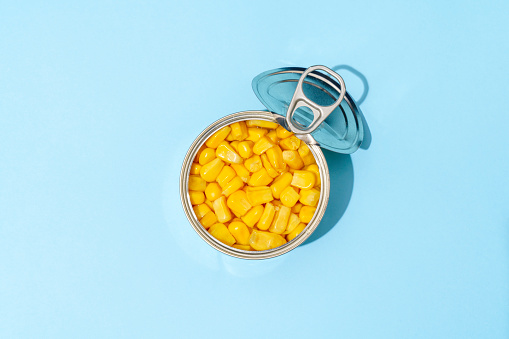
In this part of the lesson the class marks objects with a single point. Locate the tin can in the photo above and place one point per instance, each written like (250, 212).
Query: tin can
(348, 131)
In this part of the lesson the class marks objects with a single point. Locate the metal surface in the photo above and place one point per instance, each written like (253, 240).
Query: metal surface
(202, 232)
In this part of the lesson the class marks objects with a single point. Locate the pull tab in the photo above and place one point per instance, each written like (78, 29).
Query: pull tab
(320, 113)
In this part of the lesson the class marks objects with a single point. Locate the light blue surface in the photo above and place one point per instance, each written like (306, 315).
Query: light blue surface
(100, 101)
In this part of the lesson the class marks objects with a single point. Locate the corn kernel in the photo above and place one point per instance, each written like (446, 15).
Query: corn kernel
(197, 156)
(293, 222)
(303, 179)
(255, 133)
(289, 197)
(262, 145)
(314, 168)
(226, 174)
(253, 216)
(266, 164)
(222, 211)
(232, 186)
(226, 152)
(245, 149)
(239, 130)
(221, 233)
(208, 219)
(280, 183)
(229, 138)
(259, 195)
(241, 171)
(210, 171)
(293, 159)
(254, 163)
(235, 145)
(196, 183)
(306, 213)
(239, 231)
(209, 204)
(280, 220)
(306, 155)
(290, 144)
(277, 204)
(213, 191)
(309, 197)
(196, 197)
(195, 168)
(296, 231)
(206, 156)
(243, 247)
(275, 156)
(272, 135)
(238, 203)
(296, 208)
(262, 241)
(201, 210)
(261, 123)
(260, 178)
(283, 133)
(267, 217)
(218, 137)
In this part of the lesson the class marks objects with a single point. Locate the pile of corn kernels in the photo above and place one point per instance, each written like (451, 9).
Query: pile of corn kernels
(254, 185)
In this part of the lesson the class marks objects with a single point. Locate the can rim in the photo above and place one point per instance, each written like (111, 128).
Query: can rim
(205, 235)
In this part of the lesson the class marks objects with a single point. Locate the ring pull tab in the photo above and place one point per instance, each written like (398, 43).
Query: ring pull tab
(320, 113)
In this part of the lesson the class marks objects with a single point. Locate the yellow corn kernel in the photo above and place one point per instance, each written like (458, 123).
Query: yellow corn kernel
(283, 133)
(280, 220)
(196, 183)
(305, 154)
(255, 133)
(275, 156)
(243, 247)
(213, 191)
(195, 168)
(253, 164)
(235, 144)
(241, 171)
(266, 164)
(262, 145)
(226, 152)
(222, 211)
(296, 231)
(272, 135)
(232, 186)
(201, 210)
(221, 233)
(277, 204)
(293, 222)
(267, 217)
(306, 213)
(196, 197)
(314, 168)
(309, 197)
(209, 204)
(226, 174)
(260, 178)
(261, 123)
(259, 195)
(296, 208)
(238, 203)
(197, 156)
(229, 138)
(262, 241)
(280, 183)
(245, 149)
(206, 156)
(290, 144)
(208, 220)
(239, 131)
(253, 216)
(210, 171)
(289, 197)
(218, 137)
(303, 179)
(240, 232)
(293, 159)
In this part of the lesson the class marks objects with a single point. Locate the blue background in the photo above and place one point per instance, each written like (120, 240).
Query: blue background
(99, 102)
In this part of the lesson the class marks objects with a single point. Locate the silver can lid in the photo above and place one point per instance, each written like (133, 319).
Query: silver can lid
(312, 102)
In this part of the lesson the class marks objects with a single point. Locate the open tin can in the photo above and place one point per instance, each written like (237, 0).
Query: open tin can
(314, 105)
